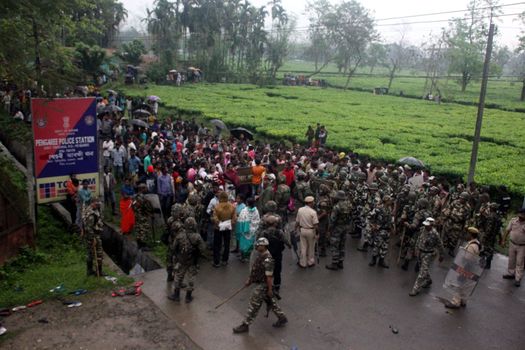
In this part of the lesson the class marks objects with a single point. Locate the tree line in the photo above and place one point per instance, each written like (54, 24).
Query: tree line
(60, 43)
(345, 34)
(51, 44)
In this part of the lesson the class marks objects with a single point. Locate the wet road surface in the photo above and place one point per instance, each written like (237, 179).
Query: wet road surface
(354, 308)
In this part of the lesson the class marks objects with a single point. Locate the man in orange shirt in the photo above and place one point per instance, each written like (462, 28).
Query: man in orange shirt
(71, 196)
(257, 174)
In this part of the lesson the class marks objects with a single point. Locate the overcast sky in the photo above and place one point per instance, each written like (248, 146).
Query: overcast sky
(416, 33)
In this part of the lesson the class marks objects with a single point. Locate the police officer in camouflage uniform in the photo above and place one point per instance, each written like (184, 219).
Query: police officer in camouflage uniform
(179, 213)
(267, 193)
(302, 189)
(187, 246)
(384, 186)
(193, 207)
(434, 201)
(261, 275)
(271, 230)
(92, 223)
(426, 245)
(282, 198)
(143, 211)
(455, 218)
(339, 225)
(380, 224)
(488, 222)
(371, 199)
(358, 197)
(412, 229)
(324, 208)
(400, 201)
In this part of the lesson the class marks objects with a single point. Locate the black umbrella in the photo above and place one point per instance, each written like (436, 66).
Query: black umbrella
(219, 124)
(141, 113)
(237, 132)
(411, 161)
(139, 123)
(145, 106)
(112, 108)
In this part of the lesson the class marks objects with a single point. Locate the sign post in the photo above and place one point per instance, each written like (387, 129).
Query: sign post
(65, 143)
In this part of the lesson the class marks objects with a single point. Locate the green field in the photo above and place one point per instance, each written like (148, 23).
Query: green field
(503, 92)
(382, 127)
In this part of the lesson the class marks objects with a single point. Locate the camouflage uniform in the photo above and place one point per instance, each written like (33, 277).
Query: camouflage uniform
(302, 190)
(384, 186)
(143, 211)
(282, 198)
(340, 220)
(371, 199)
(271, 231)
(194, 208)
(179, 213)
(358, 196)
(400, 202)
(380, 223)
(324, 207)
(426, 246)
(456, 216)
(407, 211)
(92, 223)
(434, 201)
(261, 269)
(412, 229)
(187, 246)
(266, 195)
(488, 222)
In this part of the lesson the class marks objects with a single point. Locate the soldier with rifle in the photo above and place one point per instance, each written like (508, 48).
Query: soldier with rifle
(261, 275)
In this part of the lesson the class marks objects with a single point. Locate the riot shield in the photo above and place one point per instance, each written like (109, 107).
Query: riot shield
(464, 274)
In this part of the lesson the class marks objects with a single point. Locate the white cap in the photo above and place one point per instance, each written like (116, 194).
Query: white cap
(429, 221)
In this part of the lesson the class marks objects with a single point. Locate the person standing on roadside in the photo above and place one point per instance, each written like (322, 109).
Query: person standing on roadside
(224, 218)
(306, 223)
(257, 176)
(516, 231)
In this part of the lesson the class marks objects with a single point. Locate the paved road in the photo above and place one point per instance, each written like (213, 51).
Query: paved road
(349, 309)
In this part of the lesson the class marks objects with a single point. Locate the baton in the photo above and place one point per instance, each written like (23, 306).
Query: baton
(94, 245)
(230, 297)
(401, 246)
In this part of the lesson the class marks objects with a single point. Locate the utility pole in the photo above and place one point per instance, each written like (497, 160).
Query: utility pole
(481, 106)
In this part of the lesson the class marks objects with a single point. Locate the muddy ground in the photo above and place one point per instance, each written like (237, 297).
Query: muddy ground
(102, 322)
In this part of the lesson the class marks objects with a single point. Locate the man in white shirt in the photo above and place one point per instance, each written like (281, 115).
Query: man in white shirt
(107, 149)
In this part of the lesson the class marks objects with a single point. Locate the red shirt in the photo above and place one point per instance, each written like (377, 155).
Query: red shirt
(290, 176)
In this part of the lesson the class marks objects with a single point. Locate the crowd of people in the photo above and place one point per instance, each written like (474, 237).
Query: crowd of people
(227, 196)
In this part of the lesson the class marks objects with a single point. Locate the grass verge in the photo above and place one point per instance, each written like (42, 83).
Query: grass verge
(58, 258)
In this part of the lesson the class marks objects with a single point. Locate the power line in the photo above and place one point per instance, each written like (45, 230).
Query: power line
(449, 12)
(305, 30)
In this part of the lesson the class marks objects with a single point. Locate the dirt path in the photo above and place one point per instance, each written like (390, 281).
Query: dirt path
(102, 322)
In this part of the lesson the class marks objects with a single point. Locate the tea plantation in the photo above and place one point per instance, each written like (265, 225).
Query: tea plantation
(381, 127)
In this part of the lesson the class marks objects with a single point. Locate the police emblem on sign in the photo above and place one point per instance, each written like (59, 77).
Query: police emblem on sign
(89, 120)
(41, 122)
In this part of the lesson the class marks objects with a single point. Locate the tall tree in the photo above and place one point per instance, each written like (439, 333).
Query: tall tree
(351, 28)
(519, 66)
(131, 52)
(89, 58)
(376, 55)
(162, 25)
(277, 42)
(466, 39)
